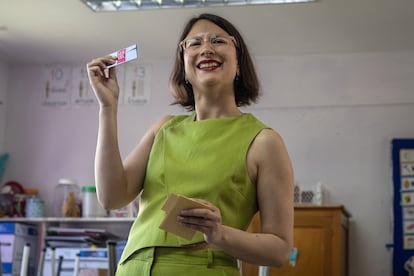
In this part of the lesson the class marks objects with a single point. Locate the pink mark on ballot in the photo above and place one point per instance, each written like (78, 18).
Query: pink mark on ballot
(124, 55)
(121, 56)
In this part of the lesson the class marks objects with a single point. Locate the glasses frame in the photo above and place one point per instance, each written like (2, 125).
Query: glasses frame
(182, 42)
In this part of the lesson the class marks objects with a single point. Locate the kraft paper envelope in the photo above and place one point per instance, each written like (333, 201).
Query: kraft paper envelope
(173, 206)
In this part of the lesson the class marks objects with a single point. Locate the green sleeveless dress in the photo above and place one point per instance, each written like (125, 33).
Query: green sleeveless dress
(200, 159)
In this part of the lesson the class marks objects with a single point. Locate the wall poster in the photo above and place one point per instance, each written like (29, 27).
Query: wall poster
(69, 85)
(81, 92)
(137, 84)
(57, 85)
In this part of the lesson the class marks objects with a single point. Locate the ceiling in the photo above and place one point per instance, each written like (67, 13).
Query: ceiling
(67, 31)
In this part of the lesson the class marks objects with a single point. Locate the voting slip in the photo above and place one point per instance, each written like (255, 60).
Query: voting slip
(124, 55)
(173, 206)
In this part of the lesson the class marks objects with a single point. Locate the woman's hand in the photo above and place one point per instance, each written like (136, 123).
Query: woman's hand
(205, 220)
(104, 86)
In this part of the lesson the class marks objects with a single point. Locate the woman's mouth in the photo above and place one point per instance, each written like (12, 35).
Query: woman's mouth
(208, 65)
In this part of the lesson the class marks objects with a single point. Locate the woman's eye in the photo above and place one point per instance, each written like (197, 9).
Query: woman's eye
(218, 41)
(193, 42)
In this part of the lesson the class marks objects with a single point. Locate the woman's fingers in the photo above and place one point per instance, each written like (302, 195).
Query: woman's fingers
(99, 65)
(204, 217)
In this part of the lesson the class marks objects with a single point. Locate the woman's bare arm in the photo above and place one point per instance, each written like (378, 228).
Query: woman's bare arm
(270, 168)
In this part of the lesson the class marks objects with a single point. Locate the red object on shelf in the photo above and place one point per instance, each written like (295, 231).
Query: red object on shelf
(12, 187)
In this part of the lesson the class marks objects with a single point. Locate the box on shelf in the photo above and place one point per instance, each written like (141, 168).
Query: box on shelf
(316, 195)
(90, 260)
(14, 236)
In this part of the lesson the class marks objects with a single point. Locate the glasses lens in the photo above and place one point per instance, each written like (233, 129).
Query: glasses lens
(192, 42)
(215, 41)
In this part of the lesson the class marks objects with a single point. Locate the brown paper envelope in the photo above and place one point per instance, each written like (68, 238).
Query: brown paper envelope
(170, 203)
(173, 206)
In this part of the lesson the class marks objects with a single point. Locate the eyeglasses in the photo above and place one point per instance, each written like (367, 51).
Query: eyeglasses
(194, 43)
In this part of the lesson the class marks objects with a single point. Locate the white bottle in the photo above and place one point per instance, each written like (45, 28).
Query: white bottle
(318, 194)
(90, 204)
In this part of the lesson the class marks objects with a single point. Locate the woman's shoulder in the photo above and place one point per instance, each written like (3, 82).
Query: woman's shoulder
(268, 139)
(169, 120)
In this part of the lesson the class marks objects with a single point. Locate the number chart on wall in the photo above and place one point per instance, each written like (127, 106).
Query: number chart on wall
(69, 85)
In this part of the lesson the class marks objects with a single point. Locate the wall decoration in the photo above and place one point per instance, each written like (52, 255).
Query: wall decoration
(81, 92)
(408, 227)
(137, 84)
(407, 169)
(409, 242)
(408, 213)
(407, 198)
(407, 184)
(69, 85)
(57, 85)
(407, 155)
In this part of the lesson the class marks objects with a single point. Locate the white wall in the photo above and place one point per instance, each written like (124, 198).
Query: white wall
(337, 114)
(3, 93)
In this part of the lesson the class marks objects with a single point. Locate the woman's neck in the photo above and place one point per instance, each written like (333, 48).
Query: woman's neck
(209, 110)
(214, 102)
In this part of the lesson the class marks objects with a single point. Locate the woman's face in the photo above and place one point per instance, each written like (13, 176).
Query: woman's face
(210, 57)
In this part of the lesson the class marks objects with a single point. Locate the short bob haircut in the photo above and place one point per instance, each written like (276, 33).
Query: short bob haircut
(246, 84)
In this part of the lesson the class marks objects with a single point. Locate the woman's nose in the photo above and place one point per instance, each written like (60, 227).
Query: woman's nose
(207, 48)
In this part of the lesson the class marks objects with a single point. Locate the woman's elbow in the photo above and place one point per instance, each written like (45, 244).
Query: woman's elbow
(282, 257)
(109, 202)
(282, 260)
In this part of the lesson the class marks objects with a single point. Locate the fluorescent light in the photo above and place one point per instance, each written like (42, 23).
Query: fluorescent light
(121, 5)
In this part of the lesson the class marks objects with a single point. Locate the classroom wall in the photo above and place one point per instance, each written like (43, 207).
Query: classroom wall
(336, 113)
(3, 92)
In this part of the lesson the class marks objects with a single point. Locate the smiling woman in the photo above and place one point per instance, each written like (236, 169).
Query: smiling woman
(228, 160)
(246, 84)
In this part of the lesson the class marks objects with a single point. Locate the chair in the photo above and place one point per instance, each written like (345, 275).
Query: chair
(24, 268)
(112, 260)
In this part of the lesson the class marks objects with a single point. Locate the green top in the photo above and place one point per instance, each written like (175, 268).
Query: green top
(199, 159)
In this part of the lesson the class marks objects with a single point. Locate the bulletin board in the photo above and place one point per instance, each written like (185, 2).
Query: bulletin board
(403, 205)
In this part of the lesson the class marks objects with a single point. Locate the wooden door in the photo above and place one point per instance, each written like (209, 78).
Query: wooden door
(312, 238)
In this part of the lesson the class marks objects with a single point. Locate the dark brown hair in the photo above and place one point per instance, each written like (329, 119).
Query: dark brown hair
(246, 85)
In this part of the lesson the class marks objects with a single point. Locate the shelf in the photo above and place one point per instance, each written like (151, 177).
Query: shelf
(118, 226)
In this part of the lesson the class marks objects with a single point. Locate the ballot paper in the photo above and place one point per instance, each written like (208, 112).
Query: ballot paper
(173, 206)
(124, 55)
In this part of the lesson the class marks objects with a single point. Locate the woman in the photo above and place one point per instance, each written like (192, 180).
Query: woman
(217, 154)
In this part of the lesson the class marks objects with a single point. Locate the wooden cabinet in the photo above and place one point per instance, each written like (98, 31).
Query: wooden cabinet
(321, 237)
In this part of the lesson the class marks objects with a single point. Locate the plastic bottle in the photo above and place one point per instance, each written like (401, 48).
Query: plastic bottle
(90, 204)
(319, 194)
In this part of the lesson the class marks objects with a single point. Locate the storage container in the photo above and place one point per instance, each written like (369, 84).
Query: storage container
(67, 198)
(34, 204)
(90, 204)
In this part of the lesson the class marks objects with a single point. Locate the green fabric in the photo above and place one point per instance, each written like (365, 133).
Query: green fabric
(175, 261)
(200, 159)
